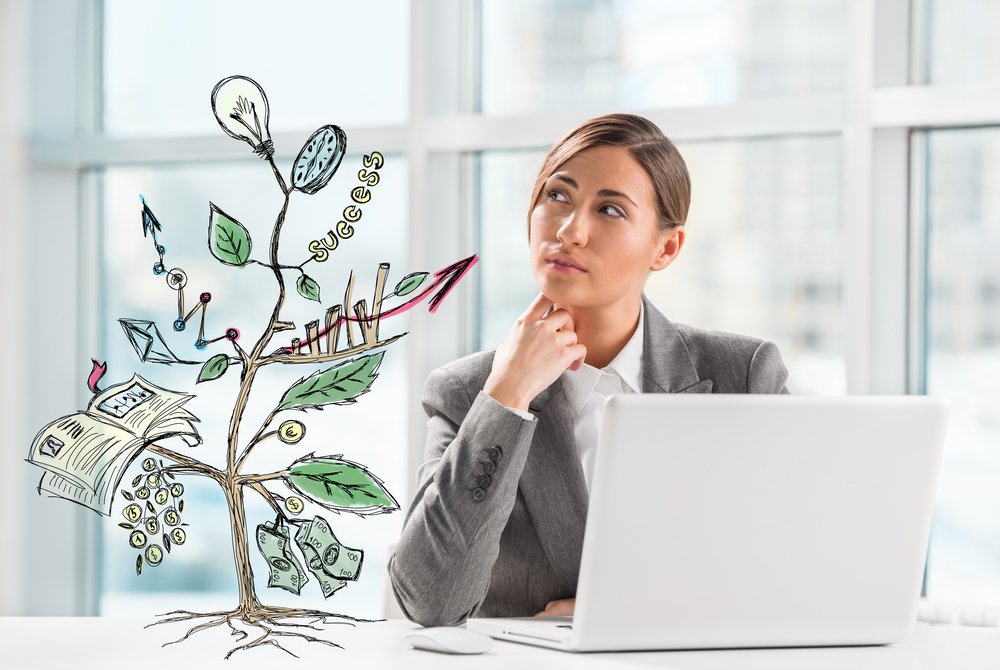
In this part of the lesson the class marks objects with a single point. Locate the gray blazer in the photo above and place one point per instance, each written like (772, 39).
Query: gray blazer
(496, 525)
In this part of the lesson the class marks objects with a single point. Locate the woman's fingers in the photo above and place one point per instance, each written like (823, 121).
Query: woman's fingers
(560, 319)
(559, 608)
(536, 310)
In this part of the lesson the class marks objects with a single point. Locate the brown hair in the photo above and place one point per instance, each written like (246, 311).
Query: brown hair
(647, 144)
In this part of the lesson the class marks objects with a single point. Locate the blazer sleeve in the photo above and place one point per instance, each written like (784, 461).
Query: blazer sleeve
(767, 372)
(474, 454)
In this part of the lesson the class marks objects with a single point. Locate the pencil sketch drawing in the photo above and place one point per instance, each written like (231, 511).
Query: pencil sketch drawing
(137, 426)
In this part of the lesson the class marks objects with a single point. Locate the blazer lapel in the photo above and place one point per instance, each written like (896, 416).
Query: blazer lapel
(666, 363)
(552, 481)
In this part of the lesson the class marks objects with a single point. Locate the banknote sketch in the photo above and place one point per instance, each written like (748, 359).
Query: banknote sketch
(139, 425)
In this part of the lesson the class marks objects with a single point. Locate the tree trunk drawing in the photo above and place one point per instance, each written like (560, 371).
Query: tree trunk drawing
(125, 414)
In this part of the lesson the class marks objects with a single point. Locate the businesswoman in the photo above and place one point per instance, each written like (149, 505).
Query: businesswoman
(496, 525)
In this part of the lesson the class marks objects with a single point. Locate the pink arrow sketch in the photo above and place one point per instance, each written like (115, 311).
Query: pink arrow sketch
(445, 278)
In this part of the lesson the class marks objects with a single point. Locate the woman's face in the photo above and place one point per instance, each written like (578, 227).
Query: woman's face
(598, 212)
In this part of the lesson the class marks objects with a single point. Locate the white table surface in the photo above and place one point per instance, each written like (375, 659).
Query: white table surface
(110, 643)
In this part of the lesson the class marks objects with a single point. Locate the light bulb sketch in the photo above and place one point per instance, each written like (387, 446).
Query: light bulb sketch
(241, 108)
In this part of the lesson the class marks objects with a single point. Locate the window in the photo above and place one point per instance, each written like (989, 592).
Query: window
(161, 60)
(853, 223)
(647, 54)
(955, 41)
(962, 356)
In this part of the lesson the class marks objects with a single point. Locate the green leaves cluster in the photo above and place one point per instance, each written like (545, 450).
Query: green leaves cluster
(340, 485)
(307, 288)
(409, 283)
(339, 385)
(213, 368)
(228, 239)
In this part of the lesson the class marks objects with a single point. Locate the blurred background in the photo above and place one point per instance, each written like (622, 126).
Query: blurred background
(845, 157)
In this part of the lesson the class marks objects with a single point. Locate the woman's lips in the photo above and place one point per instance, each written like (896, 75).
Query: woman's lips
(559, 266)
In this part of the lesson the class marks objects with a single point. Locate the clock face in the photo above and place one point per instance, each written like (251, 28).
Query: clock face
(319, 159)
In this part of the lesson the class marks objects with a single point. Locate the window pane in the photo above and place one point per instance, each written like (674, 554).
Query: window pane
(763, 254)
(345, 60)
(372, 432)
(561, 54)
(956, 41)
(963, 357)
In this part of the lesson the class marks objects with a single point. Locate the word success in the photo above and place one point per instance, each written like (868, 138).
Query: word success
(368, 176)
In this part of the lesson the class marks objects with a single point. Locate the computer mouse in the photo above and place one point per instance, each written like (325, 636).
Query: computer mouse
(449, 640)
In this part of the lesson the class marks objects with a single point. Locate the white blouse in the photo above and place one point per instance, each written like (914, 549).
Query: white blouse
(587, 388)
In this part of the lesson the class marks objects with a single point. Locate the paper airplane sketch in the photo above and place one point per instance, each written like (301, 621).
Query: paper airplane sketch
(148, 343)
(140, 427)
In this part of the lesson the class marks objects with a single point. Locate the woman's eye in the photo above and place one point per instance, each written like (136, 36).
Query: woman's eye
(611, 210)
(554, 194)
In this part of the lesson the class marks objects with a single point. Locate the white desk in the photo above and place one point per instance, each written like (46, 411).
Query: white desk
(108, 644)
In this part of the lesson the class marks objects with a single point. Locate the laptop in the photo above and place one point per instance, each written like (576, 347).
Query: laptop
(733, 521)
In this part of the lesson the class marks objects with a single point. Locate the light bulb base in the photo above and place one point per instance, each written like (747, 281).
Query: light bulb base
(264, 149)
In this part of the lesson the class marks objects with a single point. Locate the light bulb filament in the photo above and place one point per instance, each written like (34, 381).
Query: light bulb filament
(243, 106)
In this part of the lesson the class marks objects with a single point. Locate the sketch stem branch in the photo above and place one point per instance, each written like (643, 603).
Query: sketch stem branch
(191, 464)
(245, 480)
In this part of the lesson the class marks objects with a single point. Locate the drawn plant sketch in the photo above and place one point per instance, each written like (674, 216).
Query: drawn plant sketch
(85, 455)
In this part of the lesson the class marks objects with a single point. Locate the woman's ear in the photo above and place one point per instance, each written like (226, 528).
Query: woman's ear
(669, 243)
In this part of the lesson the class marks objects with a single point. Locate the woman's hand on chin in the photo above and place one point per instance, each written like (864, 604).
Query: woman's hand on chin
(559, 608)
(536, 350)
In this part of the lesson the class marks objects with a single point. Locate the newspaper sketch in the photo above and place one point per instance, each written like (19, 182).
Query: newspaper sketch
(86, 455)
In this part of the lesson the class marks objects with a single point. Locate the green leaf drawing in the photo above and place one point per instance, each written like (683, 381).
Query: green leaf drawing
(340, 485)
(339, 385)
(308, 288)
(228, 240)
(213, 368)
(409, 283)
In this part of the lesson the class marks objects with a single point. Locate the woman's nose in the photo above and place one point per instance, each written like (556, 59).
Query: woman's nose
(573, 229)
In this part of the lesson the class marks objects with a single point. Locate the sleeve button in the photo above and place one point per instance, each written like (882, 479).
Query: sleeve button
(494, 453)
(489, 467)
(478, 494)
(484, 480)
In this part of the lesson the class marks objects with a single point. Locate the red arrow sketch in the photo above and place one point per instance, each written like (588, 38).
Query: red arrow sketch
(446, 279)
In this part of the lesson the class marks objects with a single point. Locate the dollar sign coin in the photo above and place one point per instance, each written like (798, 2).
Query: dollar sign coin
(171, 517)
(177, 535)
(152, 526)
(149, 465)
(137, 539)
(161, 496)
(294, 505)
(142, 493)
(291, 431)
(153, 481)
(154, 554)
(177, 489)
(133, 512)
